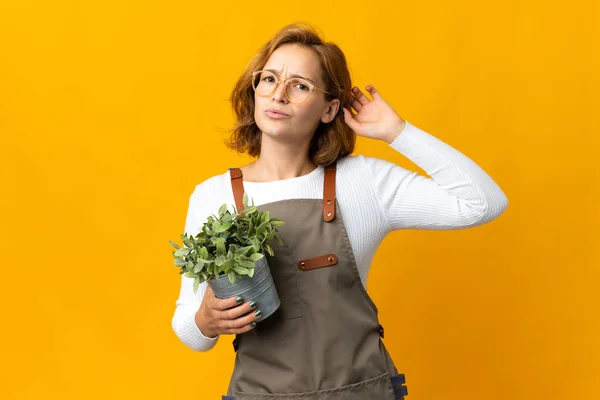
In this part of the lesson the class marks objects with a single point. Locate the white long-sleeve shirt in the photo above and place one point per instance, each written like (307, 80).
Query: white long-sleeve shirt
(375, 197)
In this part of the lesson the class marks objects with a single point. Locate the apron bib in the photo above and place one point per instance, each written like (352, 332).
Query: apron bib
(324, 342)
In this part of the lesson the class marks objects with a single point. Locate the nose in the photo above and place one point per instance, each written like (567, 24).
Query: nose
(279, 93)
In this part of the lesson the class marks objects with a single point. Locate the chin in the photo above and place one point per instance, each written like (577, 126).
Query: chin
(275, 128)
(278, 133)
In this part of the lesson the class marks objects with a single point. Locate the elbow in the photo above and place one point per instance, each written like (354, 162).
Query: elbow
(498, 204)
(493, 207)
(503, 205)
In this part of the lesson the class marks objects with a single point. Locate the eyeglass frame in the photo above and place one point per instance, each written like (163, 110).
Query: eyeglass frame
(311, 86)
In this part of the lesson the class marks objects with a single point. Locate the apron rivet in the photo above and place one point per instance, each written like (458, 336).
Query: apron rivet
(328, 201)
(330, 259)
(303, 265)
(329, 214)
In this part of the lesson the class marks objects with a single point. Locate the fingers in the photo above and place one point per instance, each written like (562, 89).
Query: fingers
(225, 304)
(356, 105)
(360, 99)
(349, 119)
(356, 96)
(373, 92)
(233, 315)
(240, 325)
(237, 312)
(360, 96)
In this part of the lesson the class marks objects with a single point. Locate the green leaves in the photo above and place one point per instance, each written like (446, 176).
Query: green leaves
(182, 252)
(261, 228)
(198, 267)
(246, 264)
(255, 243)
(180, 262)
(228, 244)
(222, 210)
(232, 277)
(228, 265)
(220, 244)
(188, 241)
(241, 271)
(276, 222)
(250, 210)
(270, 250)
(204, 252)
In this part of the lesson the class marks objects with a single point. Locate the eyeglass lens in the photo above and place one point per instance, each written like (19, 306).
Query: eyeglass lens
(297, 89)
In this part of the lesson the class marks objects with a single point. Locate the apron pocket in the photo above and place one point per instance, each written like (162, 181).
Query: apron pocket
(379, 388)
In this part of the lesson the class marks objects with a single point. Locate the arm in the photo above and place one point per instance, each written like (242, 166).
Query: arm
(187, 305)
(202, 312)
(459, 193)
(184, 320)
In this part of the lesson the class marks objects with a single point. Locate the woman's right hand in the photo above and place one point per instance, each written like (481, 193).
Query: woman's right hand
(225, 316)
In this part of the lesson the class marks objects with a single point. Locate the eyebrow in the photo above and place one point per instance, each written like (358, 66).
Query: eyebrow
(291, 76)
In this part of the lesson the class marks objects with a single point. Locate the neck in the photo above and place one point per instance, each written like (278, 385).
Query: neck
(278, 161)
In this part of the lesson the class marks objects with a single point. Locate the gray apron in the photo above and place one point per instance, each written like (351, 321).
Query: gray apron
(324, 342)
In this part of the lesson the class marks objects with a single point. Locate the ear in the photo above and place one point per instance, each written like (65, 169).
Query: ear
(331, 111)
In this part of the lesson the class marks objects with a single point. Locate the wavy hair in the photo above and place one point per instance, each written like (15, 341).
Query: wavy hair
(331, 141)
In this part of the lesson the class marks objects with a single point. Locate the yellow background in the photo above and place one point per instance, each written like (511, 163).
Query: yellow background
(111, 112)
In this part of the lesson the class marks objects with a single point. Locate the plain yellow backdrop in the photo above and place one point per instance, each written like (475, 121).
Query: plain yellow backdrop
(111, 112)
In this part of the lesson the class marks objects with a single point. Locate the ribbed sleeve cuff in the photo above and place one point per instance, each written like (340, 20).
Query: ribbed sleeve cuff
(400, 143)
(188, 332)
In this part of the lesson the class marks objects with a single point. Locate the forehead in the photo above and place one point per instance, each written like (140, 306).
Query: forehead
(292, 59)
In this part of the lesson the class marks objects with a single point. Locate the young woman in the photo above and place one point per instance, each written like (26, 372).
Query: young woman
(298, 114)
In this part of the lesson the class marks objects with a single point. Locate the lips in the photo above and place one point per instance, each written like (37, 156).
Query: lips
(274, 113)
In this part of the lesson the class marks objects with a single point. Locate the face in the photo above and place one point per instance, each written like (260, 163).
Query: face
(282, 120)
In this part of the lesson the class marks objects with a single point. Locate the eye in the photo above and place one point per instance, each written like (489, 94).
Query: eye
(302, 86)
(269, 78)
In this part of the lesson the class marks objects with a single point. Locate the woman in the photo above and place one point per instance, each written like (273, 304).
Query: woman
(293, 114)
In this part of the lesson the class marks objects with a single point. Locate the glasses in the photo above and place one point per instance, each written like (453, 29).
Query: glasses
(297, 90)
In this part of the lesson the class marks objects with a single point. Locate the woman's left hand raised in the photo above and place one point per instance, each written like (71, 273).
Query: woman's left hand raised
(375, 118)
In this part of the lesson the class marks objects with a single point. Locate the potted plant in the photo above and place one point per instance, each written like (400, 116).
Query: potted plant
(229, 254)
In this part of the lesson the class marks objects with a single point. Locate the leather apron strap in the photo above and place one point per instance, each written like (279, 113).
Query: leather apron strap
(329, 193)
(237, 185)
